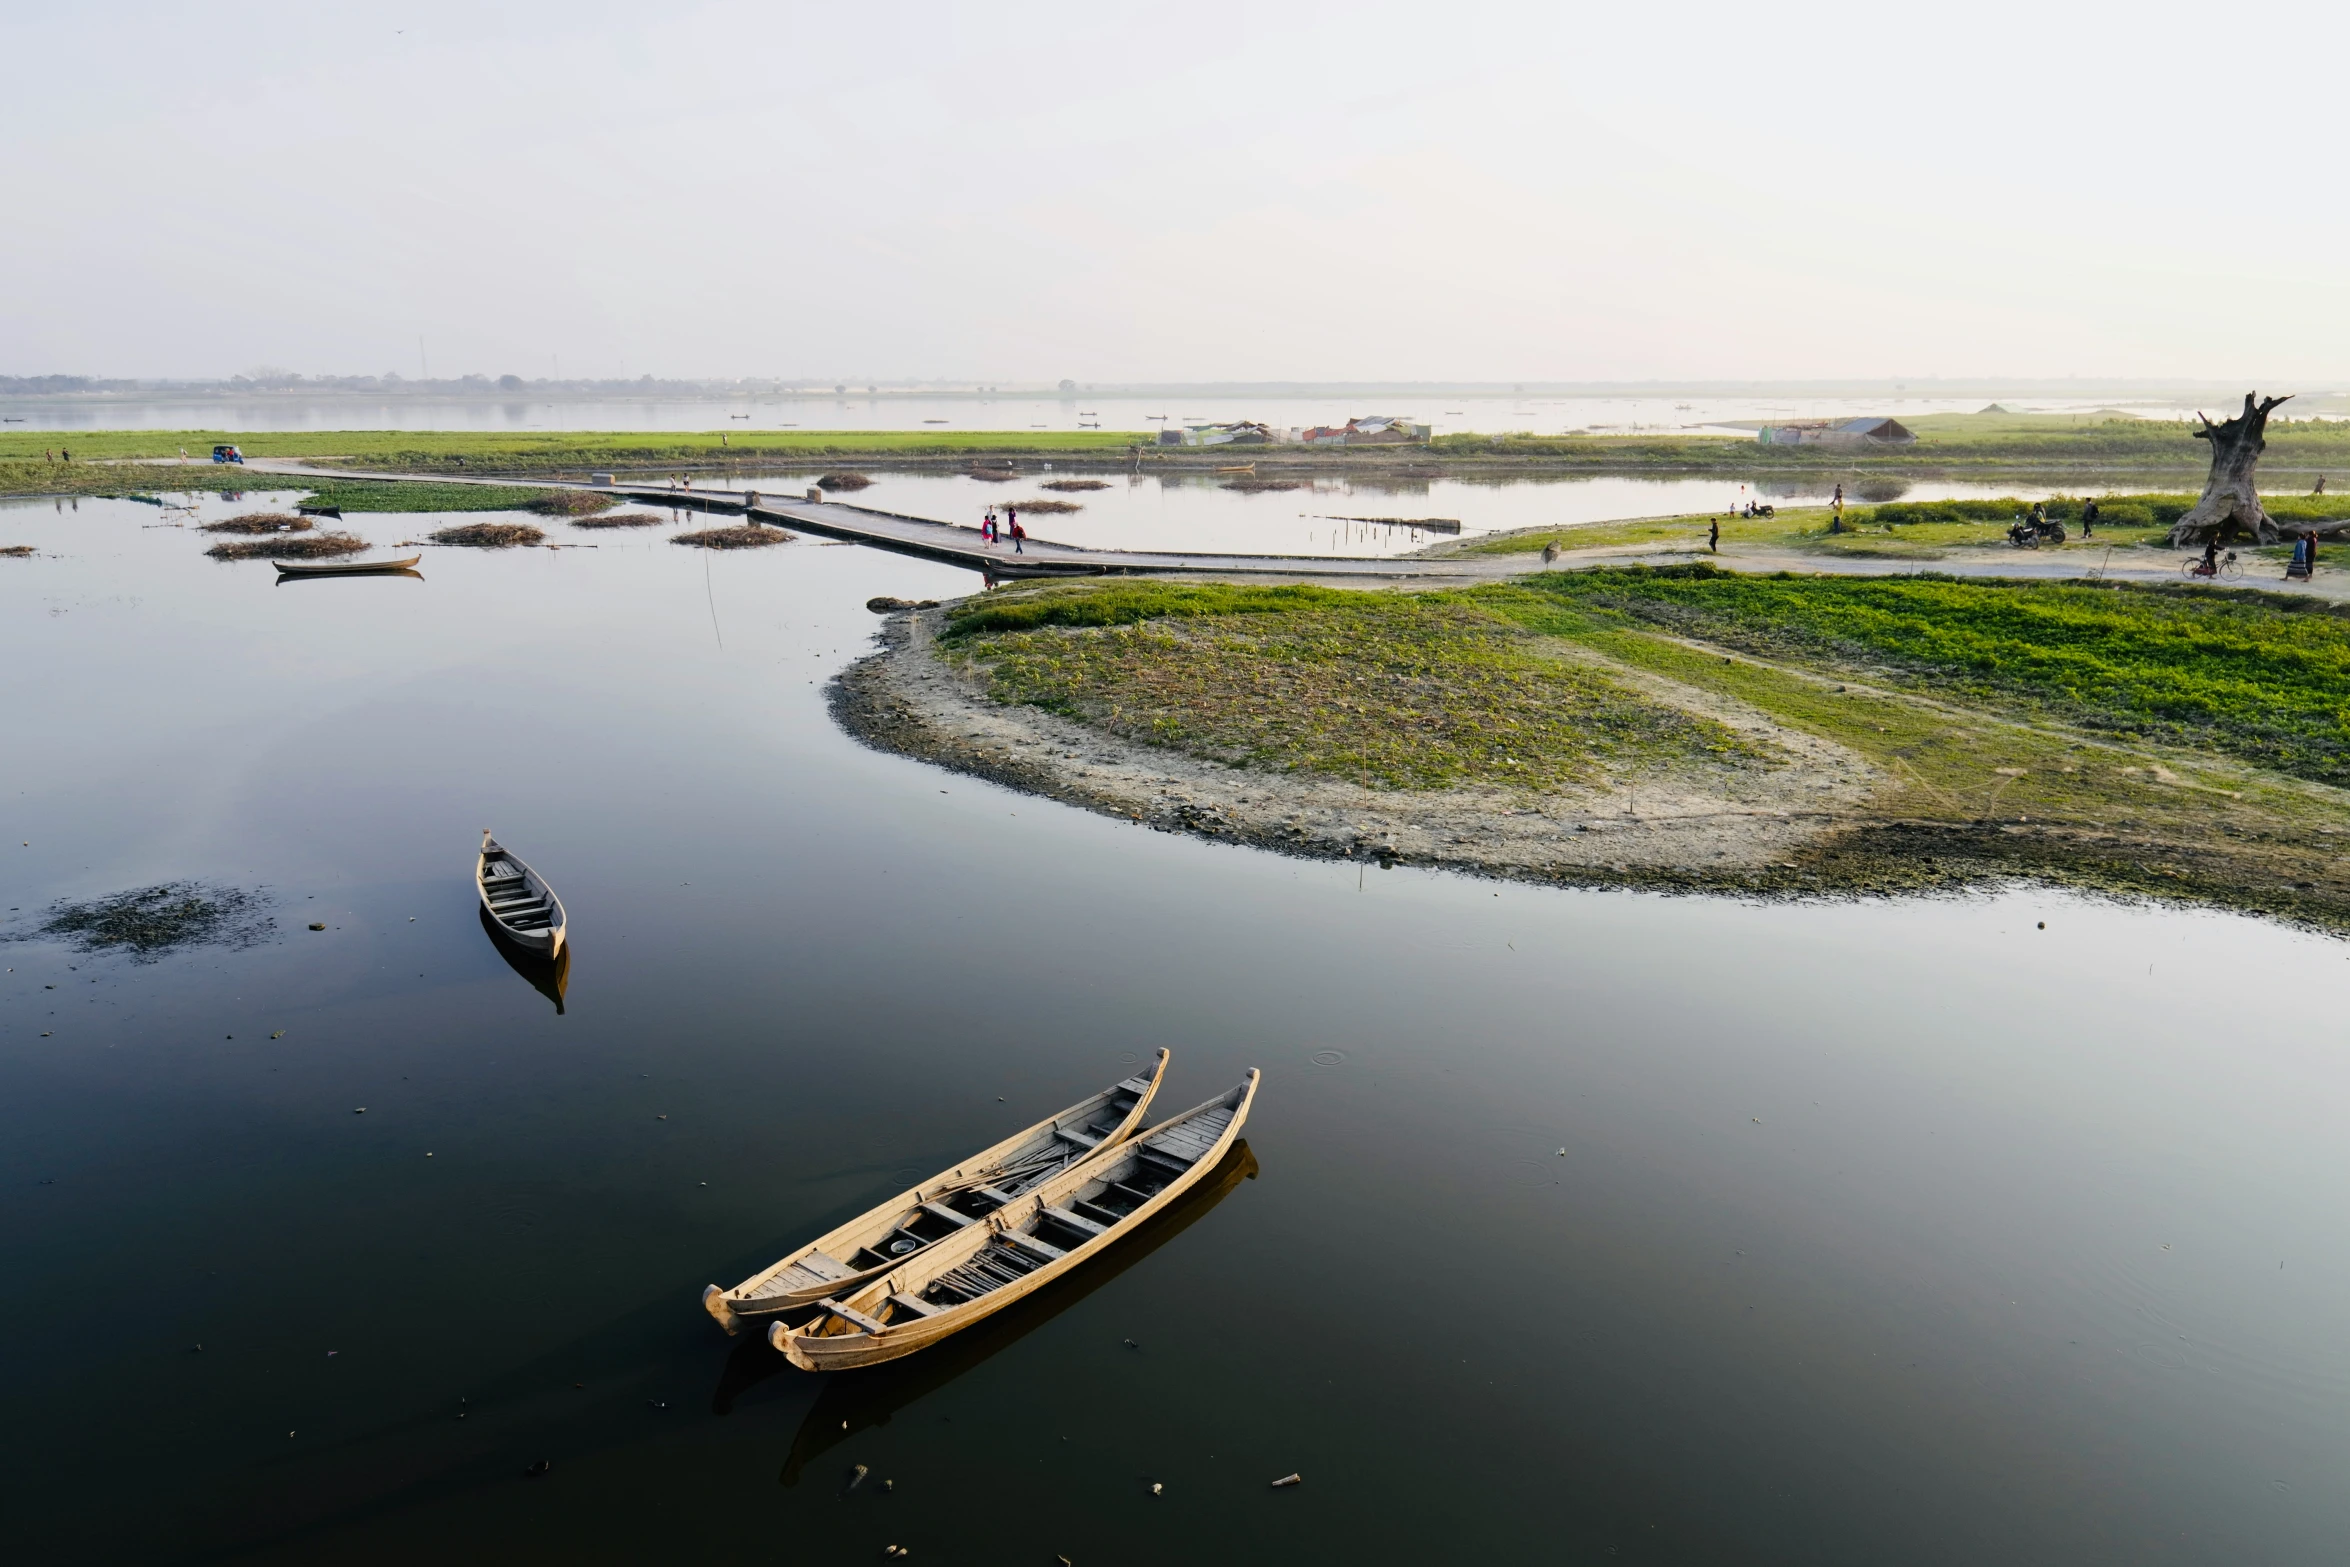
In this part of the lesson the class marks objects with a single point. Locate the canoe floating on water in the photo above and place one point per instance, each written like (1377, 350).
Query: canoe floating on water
(981, 1269)
(345, 568)
(518, 900)
(950, 1203)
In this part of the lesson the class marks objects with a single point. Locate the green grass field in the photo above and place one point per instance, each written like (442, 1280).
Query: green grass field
(2259, 677)
(2144, 740)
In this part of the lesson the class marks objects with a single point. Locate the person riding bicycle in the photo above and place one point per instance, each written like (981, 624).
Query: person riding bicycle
(2210, 566)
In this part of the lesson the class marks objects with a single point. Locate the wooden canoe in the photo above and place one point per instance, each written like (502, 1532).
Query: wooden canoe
(518, 900)
(950, 1203)
(1029, 1243)
(344, 568)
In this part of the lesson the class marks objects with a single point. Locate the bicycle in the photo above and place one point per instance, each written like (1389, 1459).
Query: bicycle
(2226, 567)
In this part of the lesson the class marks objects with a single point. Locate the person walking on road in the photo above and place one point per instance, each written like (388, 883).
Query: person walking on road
(1713, 535)
(2088, 519)
(1018, 532)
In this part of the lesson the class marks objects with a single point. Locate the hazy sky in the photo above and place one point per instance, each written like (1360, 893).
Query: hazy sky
(1120, 192)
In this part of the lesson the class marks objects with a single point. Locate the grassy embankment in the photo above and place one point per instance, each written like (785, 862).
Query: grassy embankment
(558, 451)
(1904, 530)
(2006, 444)
(1946, 443)
(2134, 739)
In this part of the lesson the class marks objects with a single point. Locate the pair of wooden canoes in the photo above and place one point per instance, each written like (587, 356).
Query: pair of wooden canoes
(972, 1240)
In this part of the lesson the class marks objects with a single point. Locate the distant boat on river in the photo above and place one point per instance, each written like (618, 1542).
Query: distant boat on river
(950, 1203)
(518, 900)
(348, 568)
(982, 1268)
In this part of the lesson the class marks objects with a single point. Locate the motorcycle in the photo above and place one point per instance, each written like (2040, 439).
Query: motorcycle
(2029, 535)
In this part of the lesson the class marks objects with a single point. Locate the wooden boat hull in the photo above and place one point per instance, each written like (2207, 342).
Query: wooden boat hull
(838, 1340)
(518, 901)
(360, 568)
(808, 1275)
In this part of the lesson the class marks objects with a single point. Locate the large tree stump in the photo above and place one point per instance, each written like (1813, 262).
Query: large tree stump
(2229, 502)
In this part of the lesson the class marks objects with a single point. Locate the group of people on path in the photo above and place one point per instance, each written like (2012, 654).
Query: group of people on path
(991, 533)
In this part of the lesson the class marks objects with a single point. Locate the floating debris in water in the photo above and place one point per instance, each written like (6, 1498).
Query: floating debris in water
(151, 921)
(537, 1469)
(856, 1478)
(490, 535)
(1289, 1480)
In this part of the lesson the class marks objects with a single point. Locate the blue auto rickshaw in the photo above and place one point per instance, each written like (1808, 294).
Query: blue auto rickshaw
(228, 454)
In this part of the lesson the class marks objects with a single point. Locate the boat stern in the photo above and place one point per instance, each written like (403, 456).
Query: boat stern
(714, 1302)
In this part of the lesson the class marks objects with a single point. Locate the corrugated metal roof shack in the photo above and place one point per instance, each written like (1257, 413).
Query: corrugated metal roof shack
(1837, 432)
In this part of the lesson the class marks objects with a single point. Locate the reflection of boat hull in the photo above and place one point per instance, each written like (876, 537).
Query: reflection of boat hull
(548, 976)
(352, 568)
(847, 1405)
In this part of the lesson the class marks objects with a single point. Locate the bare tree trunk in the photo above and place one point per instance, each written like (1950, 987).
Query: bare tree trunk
(2229, 501)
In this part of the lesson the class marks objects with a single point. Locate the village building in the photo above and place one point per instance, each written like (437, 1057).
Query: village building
(1837, 432)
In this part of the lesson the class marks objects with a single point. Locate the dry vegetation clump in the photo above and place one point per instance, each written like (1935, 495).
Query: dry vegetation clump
(1044, 508)
(151, 921)
(1068, 485)
(844, 481)
(1250, 484)
(619, 519)
(572, 503)
(17, 551)
(303, 546)
(490, 535)
(749, 537)
(262, 522)
(991, 473)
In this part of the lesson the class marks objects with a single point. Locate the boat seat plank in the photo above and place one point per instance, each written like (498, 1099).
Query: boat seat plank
(996, 1195)
(942, 1211)
(1081, 1139)
(913, 1306)
(1136, 1086)
(824, 1266)
(1077, 1221)
(1031, 1243)
(856, 1318)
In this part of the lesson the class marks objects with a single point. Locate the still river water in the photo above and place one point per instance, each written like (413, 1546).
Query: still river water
(1578, 1226)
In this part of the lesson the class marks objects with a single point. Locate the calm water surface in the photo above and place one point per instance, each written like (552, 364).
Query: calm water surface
(1575, 1226)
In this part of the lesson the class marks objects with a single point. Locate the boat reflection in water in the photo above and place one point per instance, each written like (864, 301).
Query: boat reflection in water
(854, 1401)
(547, 978)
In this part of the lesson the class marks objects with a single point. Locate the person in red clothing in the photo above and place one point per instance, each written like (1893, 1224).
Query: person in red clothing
(1018, 532)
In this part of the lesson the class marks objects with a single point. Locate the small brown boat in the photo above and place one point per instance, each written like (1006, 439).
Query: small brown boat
(518, 900)
(347, 568)
(982, 1268)
(950, 1203)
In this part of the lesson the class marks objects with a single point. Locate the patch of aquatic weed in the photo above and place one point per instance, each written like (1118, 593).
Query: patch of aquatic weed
(149, 922)
(1249, 484)
(1387, 690)
(844, 481)
(572, 503)
(1044, 508)
(17, 551)
(749, 536)
(1072, 485)
(620, 519)
(291, 546)
(489, 535)
(261, 522)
